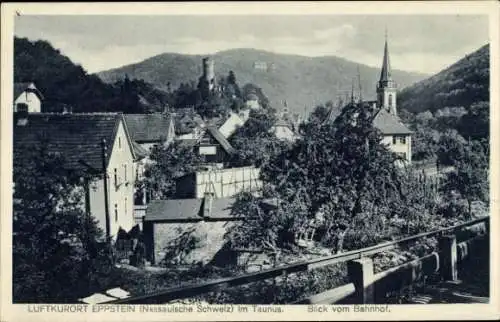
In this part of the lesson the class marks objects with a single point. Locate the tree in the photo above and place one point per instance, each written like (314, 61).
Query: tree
(169, 163)
(56, 253)
(254, 142)
(340, 170)
(476, 123)
(451, 148)
(470, 178)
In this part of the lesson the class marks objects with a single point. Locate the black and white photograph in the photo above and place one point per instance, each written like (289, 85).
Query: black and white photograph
(199, 161)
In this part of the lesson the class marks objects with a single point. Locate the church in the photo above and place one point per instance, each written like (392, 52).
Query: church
(395, 134)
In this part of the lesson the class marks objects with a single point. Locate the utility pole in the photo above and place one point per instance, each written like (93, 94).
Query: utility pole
(106, 197)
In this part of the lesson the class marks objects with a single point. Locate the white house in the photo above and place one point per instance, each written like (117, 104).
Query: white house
(79, 138)
(283, 131)
(27, 98)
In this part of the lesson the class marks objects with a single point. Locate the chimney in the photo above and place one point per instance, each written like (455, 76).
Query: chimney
(207, 204)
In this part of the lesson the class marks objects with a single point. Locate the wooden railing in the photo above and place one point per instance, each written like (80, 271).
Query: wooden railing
(360, 270)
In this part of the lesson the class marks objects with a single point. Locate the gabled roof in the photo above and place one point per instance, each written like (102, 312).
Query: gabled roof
(220, 139)
(388, 123)
(231, 124)
(149, 127)
(77, 137)
(283, 123)
(19, 88)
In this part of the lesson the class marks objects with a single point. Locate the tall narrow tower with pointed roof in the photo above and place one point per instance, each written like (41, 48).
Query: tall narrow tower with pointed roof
(386, 87)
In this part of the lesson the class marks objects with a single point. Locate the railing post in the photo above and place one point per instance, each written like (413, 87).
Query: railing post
(361, 275)
(448, 257)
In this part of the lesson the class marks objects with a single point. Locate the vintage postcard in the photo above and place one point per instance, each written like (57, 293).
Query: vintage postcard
(256, 161)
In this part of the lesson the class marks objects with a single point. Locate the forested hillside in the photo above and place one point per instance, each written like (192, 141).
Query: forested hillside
(449, 108)
(298, 80)
(65, 84)
(462, 84)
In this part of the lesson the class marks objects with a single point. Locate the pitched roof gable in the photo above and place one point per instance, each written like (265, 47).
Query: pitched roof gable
(149, 127)
(388, 123)
(19, 88)
(77, 137)
(220, 139)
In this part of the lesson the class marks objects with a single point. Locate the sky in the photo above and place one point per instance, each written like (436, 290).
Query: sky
(419, 43)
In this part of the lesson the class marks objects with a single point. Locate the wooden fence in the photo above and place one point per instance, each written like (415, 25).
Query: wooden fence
(363, 282)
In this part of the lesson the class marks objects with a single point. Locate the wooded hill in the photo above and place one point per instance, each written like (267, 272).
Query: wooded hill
(462, 84)
(298, 80)
(65, 84)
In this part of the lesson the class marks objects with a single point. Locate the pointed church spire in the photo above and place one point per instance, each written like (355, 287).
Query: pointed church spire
(385, 74)
(352, 92)
(359, 84)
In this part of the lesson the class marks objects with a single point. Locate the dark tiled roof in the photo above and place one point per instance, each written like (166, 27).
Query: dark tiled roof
(389, 124)
(76, 136)
(148, 127)
(221, 139)
(21, 87)
(174, 209)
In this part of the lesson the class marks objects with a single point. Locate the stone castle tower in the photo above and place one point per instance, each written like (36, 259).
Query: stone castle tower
(209, 72)
(386, 87)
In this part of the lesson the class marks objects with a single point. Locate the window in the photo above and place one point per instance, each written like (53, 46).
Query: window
(400, 138)
(125, 172)
(116, 212)
(125, 207)
(116, 178)
(390, 100)
(22, 107)
(119, 143)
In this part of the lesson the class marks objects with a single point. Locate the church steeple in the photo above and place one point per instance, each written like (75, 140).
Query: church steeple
(386, 87)
(385, 74)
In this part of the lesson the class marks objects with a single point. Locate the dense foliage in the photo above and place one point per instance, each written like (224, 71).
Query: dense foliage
(65, 84)
(462, 84)
(340, 180)
(255, 143)
(56, 253)
(169, 162)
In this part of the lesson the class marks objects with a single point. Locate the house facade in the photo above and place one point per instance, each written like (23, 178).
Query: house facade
(90, 143)
(283, 131)
(27, 98)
